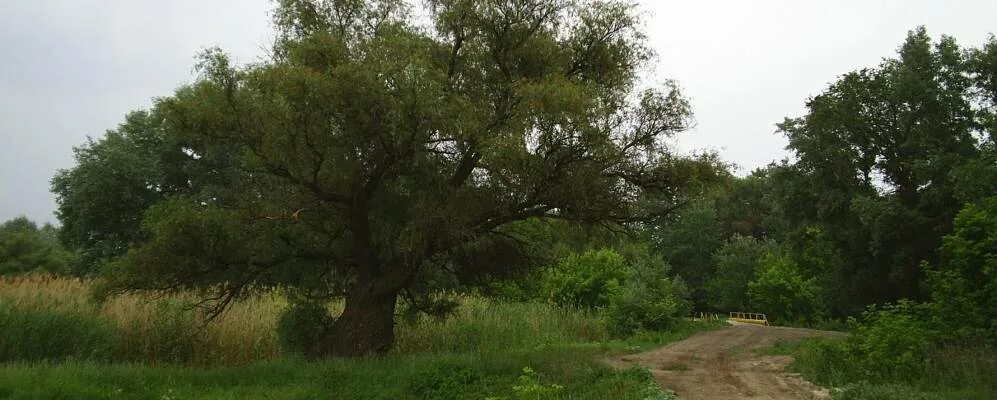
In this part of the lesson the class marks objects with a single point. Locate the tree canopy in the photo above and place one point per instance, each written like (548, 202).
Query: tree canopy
(25, 247)
(882, 157)
(373, 158)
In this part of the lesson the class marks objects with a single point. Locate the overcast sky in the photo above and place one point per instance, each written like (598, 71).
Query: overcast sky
(72, 68)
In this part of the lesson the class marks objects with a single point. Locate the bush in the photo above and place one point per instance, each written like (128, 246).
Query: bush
(964, 286)
(34, 334)
(649, 300)
(781, 292)
(736, 262)
(892, 341)
(302, 325)
(586, 280)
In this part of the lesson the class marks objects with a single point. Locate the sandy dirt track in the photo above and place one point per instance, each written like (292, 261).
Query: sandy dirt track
(720, 364)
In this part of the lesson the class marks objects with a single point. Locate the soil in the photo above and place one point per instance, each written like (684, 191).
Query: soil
(721, 364)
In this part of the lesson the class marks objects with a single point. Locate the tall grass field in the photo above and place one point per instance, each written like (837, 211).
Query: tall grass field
(56, 341)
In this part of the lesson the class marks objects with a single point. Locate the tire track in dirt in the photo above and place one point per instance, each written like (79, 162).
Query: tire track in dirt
(720, 364)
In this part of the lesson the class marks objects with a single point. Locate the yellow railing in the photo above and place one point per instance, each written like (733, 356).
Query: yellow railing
(749, 318)
(703, 316)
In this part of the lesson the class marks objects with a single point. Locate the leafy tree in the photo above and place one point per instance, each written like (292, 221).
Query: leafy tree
(649, 299)
(687, 240)
(876, 155)
(736, 262)
(977, 179)
(819, 258)
(102, 199)
(964, 285)
(782, 293)
(744, 207)
(588, 279)
(374, 159)
(24, 247)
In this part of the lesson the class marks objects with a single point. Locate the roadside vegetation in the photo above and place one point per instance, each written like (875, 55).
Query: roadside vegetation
(56, 340)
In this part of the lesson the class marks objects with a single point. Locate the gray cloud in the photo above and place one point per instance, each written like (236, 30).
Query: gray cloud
(72, 68)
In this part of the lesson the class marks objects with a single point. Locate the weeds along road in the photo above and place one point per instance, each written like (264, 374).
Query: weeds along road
(721, 364)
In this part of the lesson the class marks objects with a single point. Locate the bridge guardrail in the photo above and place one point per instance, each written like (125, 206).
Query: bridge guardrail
(749, 318)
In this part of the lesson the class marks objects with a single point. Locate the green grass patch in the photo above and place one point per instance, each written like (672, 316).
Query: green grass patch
(779, 348)
(33, 334)
(417, 376)
(952, 372)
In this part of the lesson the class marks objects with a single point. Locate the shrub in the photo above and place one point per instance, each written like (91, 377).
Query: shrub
(781, 292)
(964, 286)
(892, 341)
(736, 262)
(649, 300)
(302, 325)
(33, 334)
(586, 280)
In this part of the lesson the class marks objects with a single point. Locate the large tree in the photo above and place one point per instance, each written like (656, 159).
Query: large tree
(881, 155)
(371, 157)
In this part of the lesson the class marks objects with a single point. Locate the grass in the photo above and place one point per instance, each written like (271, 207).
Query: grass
(780, 348)
(135, 347)
(420, 376)
(141, 328)
(954, 372)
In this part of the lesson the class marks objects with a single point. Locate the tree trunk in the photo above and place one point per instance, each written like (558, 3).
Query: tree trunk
(366, 326)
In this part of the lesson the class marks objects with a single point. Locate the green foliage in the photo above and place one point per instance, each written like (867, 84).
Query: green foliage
(102, 199)
(895, 350)
(736, 262)
(886, 156)
(37, 334)
(781, 292)
(302, 325)
(635, 294)
(687, 239)
(892, 341)
(964, 372)
(588, 279)
(649, 300)
(964, 286)
(445, 380)
(530, 387)
(24, 247)
(374, 155)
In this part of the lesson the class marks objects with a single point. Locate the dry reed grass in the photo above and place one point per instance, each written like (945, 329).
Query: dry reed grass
(164, 329)
(159, 329)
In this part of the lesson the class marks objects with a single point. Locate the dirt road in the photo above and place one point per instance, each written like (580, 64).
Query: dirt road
(721, 365)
